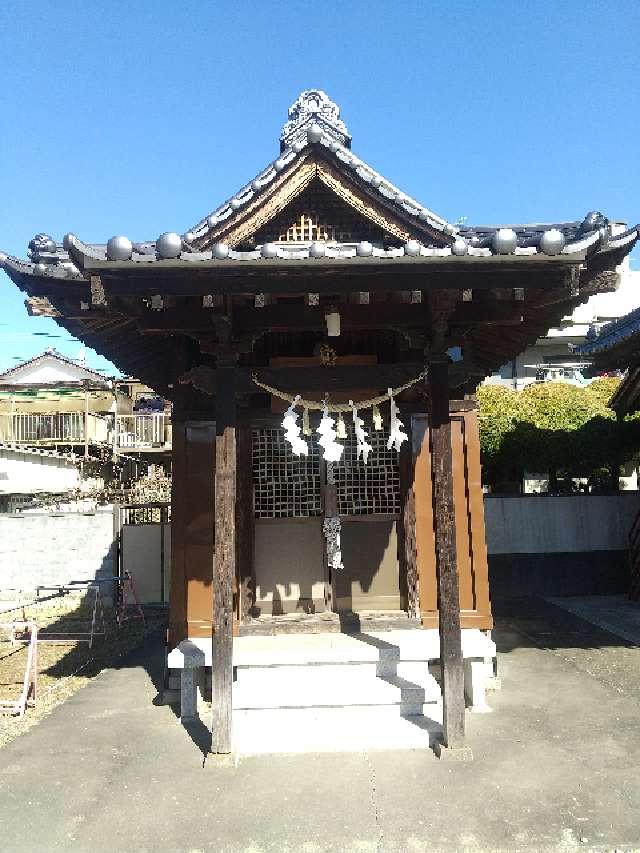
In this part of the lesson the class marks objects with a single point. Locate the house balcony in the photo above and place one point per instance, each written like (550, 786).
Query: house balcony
(52, 428)
(143, 432)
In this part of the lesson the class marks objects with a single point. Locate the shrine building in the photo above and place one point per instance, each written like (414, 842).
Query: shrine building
(320, 335)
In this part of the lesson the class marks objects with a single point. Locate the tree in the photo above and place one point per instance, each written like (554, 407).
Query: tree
(556, 427)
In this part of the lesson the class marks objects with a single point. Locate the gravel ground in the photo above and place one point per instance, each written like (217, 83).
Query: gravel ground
(65, 667)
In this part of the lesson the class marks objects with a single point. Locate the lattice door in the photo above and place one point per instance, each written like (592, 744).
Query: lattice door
(369, 489)
(285, 486)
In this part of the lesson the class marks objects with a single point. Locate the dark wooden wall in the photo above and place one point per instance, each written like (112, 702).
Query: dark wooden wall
(192, 545)
(418, 513)
(192, 533)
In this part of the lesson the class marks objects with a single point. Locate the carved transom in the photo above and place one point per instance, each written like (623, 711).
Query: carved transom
(309, 227)
(319, 214)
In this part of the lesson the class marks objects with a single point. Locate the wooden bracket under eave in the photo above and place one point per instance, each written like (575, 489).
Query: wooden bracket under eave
(98, 297)
(40, 306)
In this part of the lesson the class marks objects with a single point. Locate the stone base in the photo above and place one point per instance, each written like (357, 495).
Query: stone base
(452, 753)
(215, 760)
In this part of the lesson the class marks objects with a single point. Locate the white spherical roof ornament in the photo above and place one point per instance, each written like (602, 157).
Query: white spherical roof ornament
(119, 248)
(67, 241)
(189, 237)
(40, 269)
(3, 257)
(235, 203)
(505, 241)
(552, 242)
(364, 249)
(460, 247)
(169, 245)
(269, 251)
(314, 133)
(412, 248)
(279, 164)
(317, 250)
(220, 251)
(212, 220)
(299, 145)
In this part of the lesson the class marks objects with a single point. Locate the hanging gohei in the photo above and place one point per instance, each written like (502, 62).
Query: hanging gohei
(397, 436)
(299, 446)
(332, 450)
(363, 448)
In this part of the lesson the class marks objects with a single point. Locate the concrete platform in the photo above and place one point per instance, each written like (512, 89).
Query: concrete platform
(298, 649)
(295, 693)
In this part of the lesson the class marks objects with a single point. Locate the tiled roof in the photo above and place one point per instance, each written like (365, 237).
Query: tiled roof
(314, 125)
(612, 334)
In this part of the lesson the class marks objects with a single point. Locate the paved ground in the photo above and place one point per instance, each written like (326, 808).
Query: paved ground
(556, 768)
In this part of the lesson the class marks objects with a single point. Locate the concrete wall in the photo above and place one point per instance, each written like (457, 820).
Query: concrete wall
(29, 473)
(147, 558)
(558, 545)
(546, 524)
(39, 548)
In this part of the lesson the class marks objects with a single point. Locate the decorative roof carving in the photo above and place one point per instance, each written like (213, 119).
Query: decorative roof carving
(313, 106)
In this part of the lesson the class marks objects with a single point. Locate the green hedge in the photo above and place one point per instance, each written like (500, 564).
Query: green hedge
(556, 427)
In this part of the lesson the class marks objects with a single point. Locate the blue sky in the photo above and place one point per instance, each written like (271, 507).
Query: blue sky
(140, 117)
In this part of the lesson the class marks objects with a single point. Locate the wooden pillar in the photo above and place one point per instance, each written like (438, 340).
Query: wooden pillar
(224, 568)
(446, 561)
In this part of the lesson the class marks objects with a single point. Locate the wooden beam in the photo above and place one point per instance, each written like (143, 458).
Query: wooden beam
(224, 560)
(446, 562)
(496, 273)
(297, 318)
(320, 379)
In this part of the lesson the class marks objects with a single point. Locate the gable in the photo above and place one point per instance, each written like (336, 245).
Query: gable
(318, 186)
(317, 213)
(47, 369)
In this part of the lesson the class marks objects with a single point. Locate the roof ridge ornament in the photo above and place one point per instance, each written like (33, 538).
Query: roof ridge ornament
(313, 106)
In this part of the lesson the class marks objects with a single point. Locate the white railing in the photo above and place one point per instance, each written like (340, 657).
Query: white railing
(47, 428)
(143, 431)
(42, 428)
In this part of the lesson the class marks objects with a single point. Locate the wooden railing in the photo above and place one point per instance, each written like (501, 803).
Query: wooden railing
(634, 559)
(140, 431)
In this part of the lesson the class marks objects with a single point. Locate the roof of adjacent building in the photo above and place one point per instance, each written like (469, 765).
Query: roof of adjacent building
(612, 335)
(71, 370)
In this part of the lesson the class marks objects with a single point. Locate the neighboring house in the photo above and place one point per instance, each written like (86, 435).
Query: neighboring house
(617, 347)
(56, 415)
(53, 401)
(558, 357)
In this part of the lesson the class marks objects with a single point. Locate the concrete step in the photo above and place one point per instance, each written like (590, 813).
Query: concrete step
(372, 647)
(407, 685)
(351, 729)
